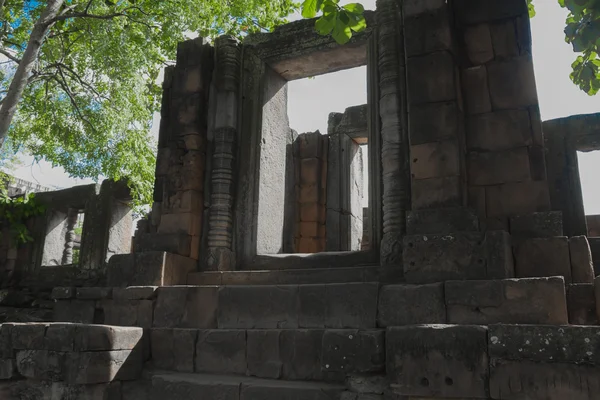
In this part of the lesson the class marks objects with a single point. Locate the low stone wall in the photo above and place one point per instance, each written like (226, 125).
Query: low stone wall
(68, 361)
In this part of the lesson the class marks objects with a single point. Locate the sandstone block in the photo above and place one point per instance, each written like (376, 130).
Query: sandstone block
(476, 91)
(221, 351)
(545, 343)
(312, 212)
(512, 83)
(415, 7)
(536, 225)
(24, 336)
(438, 360)
(465, 255)
(431, 78)
(62, 293)
(135, 390)
(312, 145)
(479, 44)
(8, 369)
(186, 307)
(293, 391)
(582, 265)
(581, 304)
(6, 345)
(161, 269)
(344, 305)
(512, 301)
(81, 311)
(258, 307)
(434, 160)
(429, 32)
(135, 293)
(492, 168)
(517, 198)
(376, 384)
(555, 381)
(103, 366)
(41, 364)
(436, 192)
(120, 270)
(411, 305)
(128, 312)
(499, 130)
(184, 202)
(263, 353)
(104, 337)
(504, 39)
(353, 351)
(184, 223)
(476, 11)
(310, 171)
(173, 349)
(169, 242)
(543, 257)
(94, 293)
(433, 122)
(441, 221)
(168, 387)
(301, 352)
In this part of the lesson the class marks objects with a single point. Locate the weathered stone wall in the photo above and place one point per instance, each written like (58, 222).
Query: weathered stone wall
(505, 161)
(311, 158)
(593, 225)
(176, 221)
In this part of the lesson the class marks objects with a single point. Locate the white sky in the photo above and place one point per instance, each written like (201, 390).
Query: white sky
(311, 101)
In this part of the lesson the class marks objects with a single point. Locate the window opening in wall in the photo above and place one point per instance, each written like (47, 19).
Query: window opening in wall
(589, 165)
(323, 175)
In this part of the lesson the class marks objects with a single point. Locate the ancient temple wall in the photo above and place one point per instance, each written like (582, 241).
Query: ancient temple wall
(506, 170)
(177, 212)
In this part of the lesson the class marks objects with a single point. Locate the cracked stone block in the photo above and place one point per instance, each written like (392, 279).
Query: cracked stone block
(103, 366)
(258, 307)
(343, 305)
(441, 221)
(512, 301)
(135, 293)
(536, 225)
(264, 354)
(221, 351)
(411, 305)
(128, 312)
(353, 351)
(42, 364)
(438, 361)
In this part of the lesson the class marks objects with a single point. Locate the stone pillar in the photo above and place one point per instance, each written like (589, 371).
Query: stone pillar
(220, 255)
(312, 192)
(436, 120)
(344, 188)
(178, 207)
(72, 216)
(505, 156)
(394, 133)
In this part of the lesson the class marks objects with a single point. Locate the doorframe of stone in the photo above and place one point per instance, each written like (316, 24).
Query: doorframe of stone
(250, 135)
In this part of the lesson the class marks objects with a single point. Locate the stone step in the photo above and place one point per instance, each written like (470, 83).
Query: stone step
(344, 305)
(290, 354)
(298, 276)
(342, 259)
(182, 386)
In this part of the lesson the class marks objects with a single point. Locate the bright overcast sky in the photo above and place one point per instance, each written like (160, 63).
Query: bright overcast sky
(311, 101)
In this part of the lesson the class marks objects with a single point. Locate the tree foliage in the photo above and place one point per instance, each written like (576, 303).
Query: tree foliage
(339, 21)
(90, 97)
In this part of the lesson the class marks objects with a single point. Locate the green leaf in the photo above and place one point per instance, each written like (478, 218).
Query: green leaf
(325, 24)
(355, 8)
(309, 8)
(358, 23)
(341, 31)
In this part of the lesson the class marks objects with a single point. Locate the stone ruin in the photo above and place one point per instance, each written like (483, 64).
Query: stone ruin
(258, 275)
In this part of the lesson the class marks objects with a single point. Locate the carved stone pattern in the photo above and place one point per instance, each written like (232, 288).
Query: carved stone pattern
(220, 220)
(394, 137)
(70, 236)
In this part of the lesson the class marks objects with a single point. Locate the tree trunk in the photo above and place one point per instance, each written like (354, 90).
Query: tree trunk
(19, 81)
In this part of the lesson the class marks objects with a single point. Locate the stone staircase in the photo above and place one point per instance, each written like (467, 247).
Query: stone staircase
(455, 321)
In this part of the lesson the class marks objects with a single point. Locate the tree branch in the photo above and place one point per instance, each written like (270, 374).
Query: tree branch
(9, 56)
(63, 84)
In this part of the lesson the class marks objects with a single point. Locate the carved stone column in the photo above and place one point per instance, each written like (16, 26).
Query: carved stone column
(220, 255)
(394, 131)
(72, 216)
